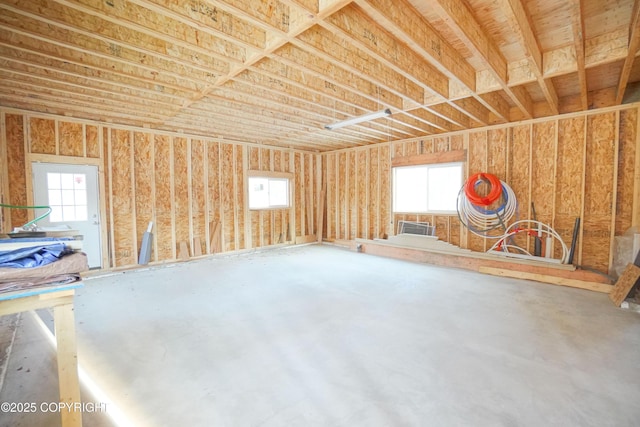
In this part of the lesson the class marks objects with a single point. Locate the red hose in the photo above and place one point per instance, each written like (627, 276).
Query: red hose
(494, 194)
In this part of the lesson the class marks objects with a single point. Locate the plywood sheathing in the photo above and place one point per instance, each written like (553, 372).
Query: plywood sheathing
(599, 190)
(71, 141)
(144, 170)
(164, 237)
(92, 142)
(122, 197)
(199, 222)
(42, 136)
(15, 140)
(626, 165)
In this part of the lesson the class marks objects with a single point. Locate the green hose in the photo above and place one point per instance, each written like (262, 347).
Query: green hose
(33, 221)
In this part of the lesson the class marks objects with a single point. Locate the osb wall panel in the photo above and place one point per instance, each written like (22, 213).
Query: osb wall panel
(599, 190)
(569, 177)
(163, 236)
(308, 190)
(582, 165)
(362, 192)
(477, 162)
(343, 189)
(373, 180)
(329, 231)
(92, 141)
(227, 186)
(181, 192)
(14, 128)
(42, 136)
(626, 165)
(385, 194)
(239, 219)
(143, 182)
(122, 197)
(519, 174)
(71, 139)
(198, 196)
(352, 219)
(299, 195)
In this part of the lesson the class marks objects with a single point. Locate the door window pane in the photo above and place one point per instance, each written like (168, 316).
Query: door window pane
(67, 197)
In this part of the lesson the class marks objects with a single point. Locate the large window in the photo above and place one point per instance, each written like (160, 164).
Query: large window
(426, 188)
(267, 192)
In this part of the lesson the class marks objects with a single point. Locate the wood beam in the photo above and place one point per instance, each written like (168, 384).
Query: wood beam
(518, 21)
(634, 44)
(578, 37)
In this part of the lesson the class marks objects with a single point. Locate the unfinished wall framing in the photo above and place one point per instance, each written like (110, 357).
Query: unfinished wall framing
(576, 165)
(193, 189)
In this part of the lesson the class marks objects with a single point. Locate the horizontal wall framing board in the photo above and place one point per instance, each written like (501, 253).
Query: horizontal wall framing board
(430, 158)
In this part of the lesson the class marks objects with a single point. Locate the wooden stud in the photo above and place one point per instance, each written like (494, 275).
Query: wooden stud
(321, 209)
(69, 384)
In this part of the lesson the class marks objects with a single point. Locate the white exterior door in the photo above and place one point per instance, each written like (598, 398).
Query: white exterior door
(72, 193)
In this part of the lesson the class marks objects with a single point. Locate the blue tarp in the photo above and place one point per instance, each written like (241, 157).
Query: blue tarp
(34, 256)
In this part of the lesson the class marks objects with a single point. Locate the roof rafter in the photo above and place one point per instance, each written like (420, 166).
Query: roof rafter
(634, 44)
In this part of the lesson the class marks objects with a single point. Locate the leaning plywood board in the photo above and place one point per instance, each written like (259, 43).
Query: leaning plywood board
(625, 283)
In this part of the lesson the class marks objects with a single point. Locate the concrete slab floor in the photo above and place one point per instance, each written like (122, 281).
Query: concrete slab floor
(319, 336)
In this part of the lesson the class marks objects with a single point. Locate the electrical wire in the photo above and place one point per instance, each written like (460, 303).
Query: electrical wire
(33, 221)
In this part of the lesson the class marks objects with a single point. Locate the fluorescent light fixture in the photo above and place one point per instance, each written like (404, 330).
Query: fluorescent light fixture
(355, 120)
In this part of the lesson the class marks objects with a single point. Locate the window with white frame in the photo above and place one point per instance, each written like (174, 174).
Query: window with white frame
(268, 192)
(427, 188)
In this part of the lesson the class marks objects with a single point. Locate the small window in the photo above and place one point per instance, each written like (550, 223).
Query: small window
(268, 192)
(427, 188)
(67, 196)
